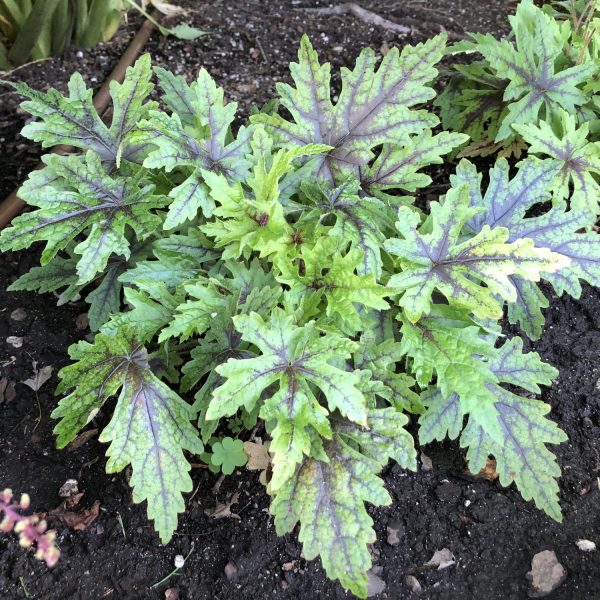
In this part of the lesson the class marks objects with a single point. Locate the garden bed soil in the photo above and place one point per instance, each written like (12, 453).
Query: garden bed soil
(492, 532)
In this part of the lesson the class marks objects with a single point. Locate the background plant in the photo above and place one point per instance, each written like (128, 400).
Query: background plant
(547, 65)
(284, 275)
(36, 29)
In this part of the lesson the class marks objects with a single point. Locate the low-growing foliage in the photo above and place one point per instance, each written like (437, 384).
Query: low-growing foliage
(548, 66)
(37, 29)
(285, 276)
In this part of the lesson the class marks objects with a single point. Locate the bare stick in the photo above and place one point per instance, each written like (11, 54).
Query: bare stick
(350, 8)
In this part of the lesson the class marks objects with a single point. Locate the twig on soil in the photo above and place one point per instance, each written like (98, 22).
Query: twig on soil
(217, 485)
(28, 64)
(261, 49)
(371, 18)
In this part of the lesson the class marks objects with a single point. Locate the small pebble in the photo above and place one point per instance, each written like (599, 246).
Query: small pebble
(14, 341)
(231, 571)
(18, 314)
(69, 488)
(172, 594)
(395, 531)
(586, 545)
(546, 574)
(426, 464)
(179, 561)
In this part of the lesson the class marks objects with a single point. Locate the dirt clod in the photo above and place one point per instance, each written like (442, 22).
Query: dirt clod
(413, 583)
(546, 574)
(19, 314)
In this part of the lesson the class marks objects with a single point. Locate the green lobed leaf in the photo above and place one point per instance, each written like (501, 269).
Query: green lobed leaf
(326, 270)
(564, 232)
(579, 160)
(375, 105)
(150, 426)
(530, 66)
(440, 260)
(76, 196)
(228, 454)
(246, 223)
(196, 141)
(521, 454)
(381, 360)
(74, 121)
(327, 495)
(301, 365)
(449, 345)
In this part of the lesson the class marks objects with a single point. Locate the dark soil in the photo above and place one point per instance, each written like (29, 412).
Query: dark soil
(491, 531)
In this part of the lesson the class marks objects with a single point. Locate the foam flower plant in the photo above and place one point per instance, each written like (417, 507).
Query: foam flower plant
(279, 277)
(519, 79)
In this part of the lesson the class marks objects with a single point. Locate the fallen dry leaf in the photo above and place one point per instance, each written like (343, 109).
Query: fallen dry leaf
(82, 438)
(14, 341)
(442, 559)
(375, 584)
(489, 471)
(7, 390)
(223, 509)
(166, 8)
(77, 520)
(258, 456)
(39, 377)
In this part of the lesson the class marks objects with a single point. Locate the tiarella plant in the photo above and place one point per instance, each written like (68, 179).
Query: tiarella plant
(547, 66)
(283, 275)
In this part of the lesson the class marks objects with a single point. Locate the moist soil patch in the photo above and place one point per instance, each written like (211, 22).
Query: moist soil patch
(491, 531)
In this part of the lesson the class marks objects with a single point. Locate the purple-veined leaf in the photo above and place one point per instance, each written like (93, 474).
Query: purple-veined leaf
(579, 160)
(197, 139)
(520, 452)
(149, 429)
(397, 166)
(506, 202)
(374, 106)
(439, 257)
(78, 196)
(326, 494)
(74, 121)
(529, 65)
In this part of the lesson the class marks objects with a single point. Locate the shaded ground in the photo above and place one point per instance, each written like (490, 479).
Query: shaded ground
(493, 538)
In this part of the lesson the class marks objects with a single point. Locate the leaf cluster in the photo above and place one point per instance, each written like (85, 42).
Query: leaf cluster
(533, 91)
